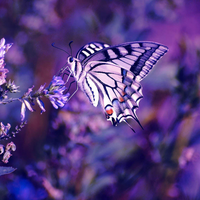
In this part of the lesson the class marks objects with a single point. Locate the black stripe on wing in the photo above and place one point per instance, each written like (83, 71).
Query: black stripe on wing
(147, 59)
(89, 49)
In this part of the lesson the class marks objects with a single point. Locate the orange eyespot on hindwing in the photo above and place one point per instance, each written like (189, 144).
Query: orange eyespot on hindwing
(109, 110)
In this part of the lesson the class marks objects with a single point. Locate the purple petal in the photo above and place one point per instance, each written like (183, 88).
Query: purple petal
(28, 105)
(41, 105)
(23, 110)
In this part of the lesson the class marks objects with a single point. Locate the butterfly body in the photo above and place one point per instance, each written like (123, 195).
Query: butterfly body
(112, 74)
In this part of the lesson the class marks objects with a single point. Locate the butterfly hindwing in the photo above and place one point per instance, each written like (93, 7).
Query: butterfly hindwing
(119, 94)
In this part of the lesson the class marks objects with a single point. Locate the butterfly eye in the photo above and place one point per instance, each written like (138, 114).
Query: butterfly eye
(71, 59)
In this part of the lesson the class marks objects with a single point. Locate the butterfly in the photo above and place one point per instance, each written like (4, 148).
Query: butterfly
(112, 75)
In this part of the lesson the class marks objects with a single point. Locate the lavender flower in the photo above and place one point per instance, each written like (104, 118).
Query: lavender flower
(4, 129)
(11, 87)
(39, 93)
(1, 149)
(25, 104)
(6, 156)
(55, 92)
(9, 147)
(3, 49)
(2, 74)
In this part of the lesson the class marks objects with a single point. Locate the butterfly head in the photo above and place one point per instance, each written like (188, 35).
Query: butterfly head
(75, 66)
(70, 59)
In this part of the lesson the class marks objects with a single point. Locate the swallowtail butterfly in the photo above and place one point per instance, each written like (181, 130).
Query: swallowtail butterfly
(112, 74)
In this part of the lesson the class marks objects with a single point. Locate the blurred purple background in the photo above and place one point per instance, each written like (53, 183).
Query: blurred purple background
(74, 153)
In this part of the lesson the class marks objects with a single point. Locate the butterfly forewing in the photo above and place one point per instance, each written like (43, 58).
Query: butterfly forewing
(113, 74)
(137, 57)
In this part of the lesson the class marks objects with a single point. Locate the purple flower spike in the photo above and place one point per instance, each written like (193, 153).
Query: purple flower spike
(55, 92)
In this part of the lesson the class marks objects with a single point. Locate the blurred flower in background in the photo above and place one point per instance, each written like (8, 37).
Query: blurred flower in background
(73, 152)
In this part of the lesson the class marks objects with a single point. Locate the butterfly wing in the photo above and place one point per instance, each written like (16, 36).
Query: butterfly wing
(113, 75)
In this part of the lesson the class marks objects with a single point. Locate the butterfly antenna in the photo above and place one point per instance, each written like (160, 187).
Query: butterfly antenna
(70, 46)
(53, 45)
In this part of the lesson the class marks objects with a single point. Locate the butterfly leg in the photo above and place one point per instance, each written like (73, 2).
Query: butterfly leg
(73, 92)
